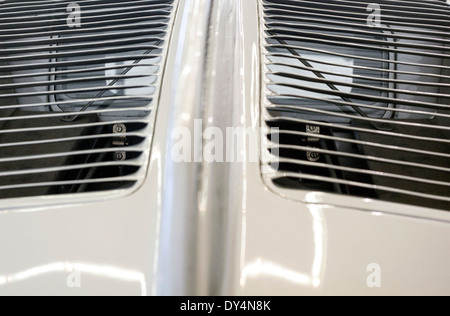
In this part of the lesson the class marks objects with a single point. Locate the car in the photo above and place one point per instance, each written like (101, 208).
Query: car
(226, 147)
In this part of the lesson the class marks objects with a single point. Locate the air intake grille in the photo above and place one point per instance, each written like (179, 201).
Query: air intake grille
(361, 104)
(79, 84)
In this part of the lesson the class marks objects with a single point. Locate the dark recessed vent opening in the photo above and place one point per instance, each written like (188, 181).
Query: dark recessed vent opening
(76, 100)
(360, 109)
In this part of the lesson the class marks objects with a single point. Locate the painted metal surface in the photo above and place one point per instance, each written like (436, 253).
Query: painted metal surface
(236, 236)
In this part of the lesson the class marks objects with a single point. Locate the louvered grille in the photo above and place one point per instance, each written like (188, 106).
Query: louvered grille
(361, 109)
(77, 101)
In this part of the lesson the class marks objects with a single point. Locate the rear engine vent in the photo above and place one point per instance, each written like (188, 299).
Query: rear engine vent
(361, 108)
(78, 96)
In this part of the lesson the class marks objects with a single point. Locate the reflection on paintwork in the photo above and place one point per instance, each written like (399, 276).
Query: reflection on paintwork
(109, 272)
(261, 268)
(319, 231)
(313, 197)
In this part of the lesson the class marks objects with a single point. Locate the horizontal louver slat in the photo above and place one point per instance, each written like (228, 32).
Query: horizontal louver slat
(77, 102)
(355, 108)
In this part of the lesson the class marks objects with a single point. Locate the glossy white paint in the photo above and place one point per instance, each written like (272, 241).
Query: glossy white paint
(184, 99)
(112, 244)
(112, 239)
(322, 244)
(212, 228)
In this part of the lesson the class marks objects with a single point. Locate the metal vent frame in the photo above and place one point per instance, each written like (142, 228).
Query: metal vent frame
(268, 119)
(136, 179)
